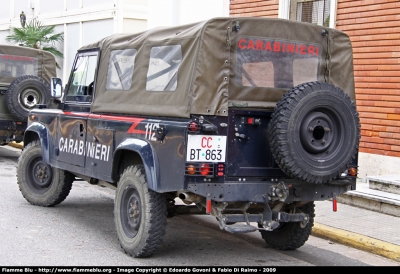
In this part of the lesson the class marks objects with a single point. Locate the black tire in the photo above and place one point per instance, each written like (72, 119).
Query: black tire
(290, 236)
(140, 214)
(39, 183)
(314, 132)
(25, 93)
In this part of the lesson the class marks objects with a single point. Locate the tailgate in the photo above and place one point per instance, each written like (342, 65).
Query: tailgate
(248, 151)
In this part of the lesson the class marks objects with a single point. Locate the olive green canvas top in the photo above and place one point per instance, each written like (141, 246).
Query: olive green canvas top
(17, 61)
(204, 68)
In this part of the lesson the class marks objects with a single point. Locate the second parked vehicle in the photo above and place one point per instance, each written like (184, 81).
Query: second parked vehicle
(24, 84)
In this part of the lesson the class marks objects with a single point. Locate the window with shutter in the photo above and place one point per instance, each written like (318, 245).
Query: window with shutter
(310, 11)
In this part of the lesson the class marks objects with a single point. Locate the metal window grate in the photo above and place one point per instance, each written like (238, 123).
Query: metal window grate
(197, 166)
(311, 11)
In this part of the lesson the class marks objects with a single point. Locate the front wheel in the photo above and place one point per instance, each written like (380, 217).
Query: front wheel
(290, 236)
(140, 214)
(39, 183)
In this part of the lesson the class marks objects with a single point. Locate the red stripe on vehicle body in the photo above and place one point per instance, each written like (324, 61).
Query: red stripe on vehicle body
(135, 121)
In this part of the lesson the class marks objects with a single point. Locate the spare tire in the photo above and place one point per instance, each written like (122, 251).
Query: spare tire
(25, 93)
(314, 132)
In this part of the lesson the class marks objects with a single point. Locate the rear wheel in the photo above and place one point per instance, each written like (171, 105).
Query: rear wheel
(140, 214)
(290, 236)
(39, 183)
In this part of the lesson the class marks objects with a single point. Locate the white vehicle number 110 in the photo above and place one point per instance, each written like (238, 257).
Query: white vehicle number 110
(206, 148)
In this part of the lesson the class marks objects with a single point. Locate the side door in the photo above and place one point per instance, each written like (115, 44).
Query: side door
(77, 100)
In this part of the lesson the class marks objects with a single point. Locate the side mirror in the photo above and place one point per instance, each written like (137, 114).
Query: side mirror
(56, 87)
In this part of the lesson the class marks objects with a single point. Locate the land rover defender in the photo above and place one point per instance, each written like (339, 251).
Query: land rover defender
(249, 120)
(25, 75)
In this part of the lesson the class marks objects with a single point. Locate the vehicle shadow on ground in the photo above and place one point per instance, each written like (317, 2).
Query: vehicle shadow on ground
(195, 239)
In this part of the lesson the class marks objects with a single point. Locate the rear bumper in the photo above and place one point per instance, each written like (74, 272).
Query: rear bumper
(11, 131)
(286, 191)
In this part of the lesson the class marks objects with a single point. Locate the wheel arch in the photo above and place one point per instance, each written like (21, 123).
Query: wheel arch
(37, 131)
(136, 152)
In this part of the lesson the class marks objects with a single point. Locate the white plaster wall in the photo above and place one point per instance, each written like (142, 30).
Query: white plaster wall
(377, 165)
(72, 4)
(86, 21)
(93, 31)
(134, 25)
(5, 10)
(51, 6)
(3, 35)
(180, 12)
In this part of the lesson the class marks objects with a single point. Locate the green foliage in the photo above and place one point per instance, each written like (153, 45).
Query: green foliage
(36, 35)
(326, 23)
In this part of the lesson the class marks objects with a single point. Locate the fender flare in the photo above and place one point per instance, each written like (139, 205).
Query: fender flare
(148, 156)
(41, 131)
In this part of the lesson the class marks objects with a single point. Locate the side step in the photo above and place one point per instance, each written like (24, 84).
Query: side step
(240, 228)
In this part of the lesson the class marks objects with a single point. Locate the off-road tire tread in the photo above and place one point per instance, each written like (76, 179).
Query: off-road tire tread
(63, 187)
(156, 216)
(10, 98)
(292, 236)
(277, 131)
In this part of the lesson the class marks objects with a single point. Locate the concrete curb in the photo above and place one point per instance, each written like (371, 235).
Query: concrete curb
(17, 145)
(358, 241)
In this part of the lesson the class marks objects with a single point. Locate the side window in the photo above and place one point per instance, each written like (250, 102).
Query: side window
(163, 68)
(120, 69)
(15, 66)
(81, 85)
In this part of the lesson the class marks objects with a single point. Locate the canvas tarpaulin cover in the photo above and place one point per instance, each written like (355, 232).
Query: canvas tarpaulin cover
(17, 61)
(222, 62)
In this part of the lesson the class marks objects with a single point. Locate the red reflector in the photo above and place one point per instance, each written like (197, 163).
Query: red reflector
(334, 205)
(208, 206)
(250, 121)
(220, 173)
(193, 126)
(204, 169)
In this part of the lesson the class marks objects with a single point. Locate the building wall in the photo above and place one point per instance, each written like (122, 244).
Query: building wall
(255, 8)
(374, 29)
(86, 21)
(81, 21)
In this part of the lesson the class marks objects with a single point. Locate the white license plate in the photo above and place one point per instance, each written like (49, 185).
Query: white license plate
(206, 148)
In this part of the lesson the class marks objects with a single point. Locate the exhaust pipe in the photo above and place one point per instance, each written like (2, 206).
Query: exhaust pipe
(189, 197)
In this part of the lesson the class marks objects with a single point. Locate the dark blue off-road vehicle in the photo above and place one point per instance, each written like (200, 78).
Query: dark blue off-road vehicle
(249, 120)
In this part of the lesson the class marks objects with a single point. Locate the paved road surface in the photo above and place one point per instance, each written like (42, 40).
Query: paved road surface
(80, 232)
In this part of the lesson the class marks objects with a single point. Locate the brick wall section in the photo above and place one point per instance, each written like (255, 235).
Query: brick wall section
(374, 29)
(256, 8)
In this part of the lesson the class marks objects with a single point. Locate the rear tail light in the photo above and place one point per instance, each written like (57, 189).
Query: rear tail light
(352, 171)
(205, 169)
(200, 169)
(221, 170)
(191, 169)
